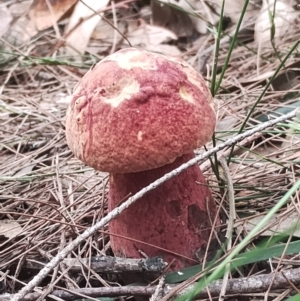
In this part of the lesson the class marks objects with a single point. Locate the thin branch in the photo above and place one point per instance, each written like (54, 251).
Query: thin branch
(250, 284)
(231, 220)
(244, 285)
(159, 290)
(114, 213)
(108, 264)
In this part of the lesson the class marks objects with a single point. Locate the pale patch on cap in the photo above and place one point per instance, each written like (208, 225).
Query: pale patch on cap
(140, 136)
(186, 95)
(121, 92)
(132, 59)
(193, 77)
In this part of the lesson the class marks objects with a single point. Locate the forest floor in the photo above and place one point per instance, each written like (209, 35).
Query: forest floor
(48, 197)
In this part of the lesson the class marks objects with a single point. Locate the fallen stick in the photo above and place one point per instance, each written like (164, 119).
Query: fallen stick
(240, 286)
(107, 264)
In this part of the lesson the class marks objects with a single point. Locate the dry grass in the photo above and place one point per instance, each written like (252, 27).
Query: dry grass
(51, 195)
(54, 197)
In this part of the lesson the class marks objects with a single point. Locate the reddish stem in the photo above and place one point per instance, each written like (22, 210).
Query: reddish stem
(176, 216)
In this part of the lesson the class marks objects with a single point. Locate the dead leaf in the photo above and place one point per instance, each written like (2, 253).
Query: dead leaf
(23, 30)
(105, 36)
(200, 14)
(197, 14)
(291, 144)
(27, 169)
(287, 80)
(177, 21)
(151, 38)
(284, 18)
(288, 224)
(262, 78)
(169, 50)
(6, 18)
(20, 8)
(9, 228)
(227, 123)
(82, 24)
(45, 16)
(233, 9)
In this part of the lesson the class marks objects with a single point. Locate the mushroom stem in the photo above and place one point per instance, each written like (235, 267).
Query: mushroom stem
(177, 216)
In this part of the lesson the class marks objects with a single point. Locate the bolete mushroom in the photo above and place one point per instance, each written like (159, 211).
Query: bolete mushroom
(139, 115)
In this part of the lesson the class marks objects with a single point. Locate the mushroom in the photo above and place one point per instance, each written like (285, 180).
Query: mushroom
(139, 115)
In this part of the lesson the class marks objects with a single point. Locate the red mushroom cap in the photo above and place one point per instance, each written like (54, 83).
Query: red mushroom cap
(137, 110)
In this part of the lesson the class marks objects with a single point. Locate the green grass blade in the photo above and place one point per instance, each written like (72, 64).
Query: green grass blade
(294, 298)
(231, 47)
(218, 272)
(264, 92)
(212, 87)
(253, 256)
(216, 52)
